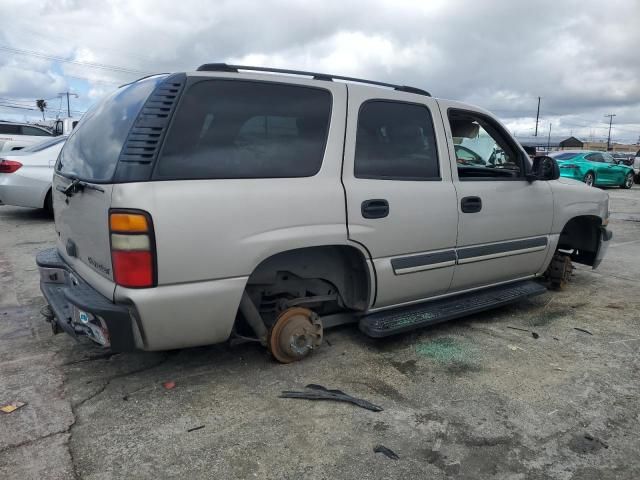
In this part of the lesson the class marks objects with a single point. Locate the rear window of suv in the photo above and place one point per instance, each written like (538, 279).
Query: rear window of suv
(91, 152)
(246, 129)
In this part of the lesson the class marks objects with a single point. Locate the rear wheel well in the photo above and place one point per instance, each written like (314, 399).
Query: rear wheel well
(328, 279)
(581, 237)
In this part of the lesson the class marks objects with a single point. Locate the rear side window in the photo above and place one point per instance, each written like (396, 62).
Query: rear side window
(8, 129)
(36, 132)
(566, 156)
(245, 129)
(395, 141)
(91, 152)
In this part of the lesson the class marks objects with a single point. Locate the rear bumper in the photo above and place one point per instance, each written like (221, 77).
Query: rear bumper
(79, 309)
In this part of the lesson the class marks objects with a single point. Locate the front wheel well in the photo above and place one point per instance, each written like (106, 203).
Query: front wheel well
(581, 237)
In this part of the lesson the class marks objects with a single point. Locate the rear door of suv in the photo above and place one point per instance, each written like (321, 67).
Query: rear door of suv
(91, 155)
(401, 202)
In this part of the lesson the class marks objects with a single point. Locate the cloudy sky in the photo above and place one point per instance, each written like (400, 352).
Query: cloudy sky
(581, 56)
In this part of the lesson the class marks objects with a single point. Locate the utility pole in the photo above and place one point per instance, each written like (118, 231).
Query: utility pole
(611, 115)
(549, 139)
(537, 117)
(68, 105)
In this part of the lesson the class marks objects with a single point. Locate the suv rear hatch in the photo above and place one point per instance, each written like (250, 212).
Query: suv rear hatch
(114, 142)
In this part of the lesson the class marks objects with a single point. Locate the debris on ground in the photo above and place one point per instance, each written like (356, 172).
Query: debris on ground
(518, 328)
(12, 407)
(591, 438)
(386, 451)
(586, 443)
(169, 385)
(318, 392)
(615, 306)
(582, 330)
(533, 334)
(515, 348)
(193, 429)
(450, 352)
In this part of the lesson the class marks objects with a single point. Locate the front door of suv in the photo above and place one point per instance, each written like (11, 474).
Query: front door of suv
(401, 202)
(504, 220)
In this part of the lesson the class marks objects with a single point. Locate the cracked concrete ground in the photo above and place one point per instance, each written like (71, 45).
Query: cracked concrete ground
(467, 399)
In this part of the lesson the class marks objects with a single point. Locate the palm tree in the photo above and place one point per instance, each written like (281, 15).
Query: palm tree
(41, 104)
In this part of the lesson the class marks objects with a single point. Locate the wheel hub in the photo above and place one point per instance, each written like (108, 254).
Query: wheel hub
(295, 334)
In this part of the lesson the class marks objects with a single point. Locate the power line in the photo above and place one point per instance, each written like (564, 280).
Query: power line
(611, 115)
(67, 93)
(103, 66)
(537, 118)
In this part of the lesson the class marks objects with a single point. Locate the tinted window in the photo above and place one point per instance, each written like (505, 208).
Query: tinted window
(36, 132)
(244, 129)
(595, 157)
(565, 156)
(395, 141)
(91, 153)
(8, 129)
(482, 148)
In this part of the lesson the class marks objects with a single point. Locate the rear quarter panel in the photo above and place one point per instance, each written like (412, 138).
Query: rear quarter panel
(216, 229)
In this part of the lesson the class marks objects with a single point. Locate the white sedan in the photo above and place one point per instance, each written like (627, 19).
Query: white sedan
(25, 175)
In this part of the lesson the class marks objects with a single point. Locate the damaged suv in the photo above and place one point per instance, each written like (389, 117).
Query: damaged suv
(268, 206)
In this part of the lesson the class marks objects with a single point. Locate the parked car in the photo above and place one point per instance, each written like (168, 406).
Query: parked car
(16, 136)
(636, 166)
(227, 202)
(64, 126)
(624, 158)
(593, 168)
(25, 175)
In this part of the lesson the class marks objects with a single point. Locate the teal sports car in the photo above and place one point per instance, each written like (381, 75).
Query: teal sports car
(593, 168)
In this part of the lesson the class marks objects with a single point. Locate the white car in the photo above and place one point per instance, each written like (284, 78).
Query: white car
(16, 136)
(25, 175)
(636, 167)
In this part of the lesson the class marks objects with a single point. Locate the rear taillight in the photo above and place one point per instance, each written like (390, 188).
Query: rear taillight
(9, 166)
(132, 248)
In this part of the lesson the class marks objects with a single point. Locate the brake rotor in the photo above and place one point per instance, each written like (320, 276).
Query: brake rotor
(295, 334)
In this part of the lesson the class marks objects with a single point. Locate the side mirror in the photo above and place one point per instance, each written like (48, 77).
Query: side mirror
(544, 168)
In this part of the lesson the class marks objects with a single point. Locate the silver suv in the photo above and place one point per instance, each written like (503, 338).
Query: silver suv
(231, 202)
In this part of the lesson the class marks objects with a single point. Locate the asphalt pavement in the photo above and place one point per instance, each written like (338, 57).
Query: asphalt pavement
(470, 399)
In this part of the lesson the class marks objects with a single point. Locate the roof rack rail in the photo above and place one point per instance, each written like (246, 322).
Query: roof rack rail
(224, 67)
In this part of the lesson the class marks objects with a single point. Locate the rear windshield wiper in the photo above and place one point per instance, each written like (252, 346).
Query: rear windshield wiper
(76, 186)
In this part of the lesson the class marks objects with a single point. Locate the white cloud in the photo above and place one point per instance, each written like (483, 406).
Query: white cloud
(579, 56)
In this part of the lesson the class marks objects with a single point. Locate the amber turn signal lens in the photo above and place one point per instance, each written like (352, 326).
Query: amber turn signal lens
(128, 222)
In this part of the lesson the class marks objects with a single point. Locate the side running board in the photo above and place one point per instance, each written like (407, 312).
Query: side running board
(404, 319)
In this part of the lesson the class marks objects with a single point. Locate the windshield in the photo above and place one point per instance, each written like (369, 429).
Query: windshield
(92, 151)
(38, 147)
